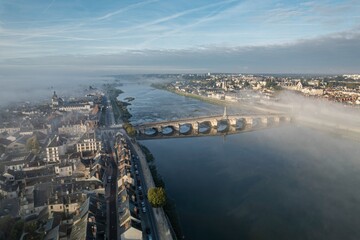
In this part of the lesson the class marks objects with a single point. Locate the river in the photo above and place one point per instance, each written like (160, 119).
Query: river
(289, 182)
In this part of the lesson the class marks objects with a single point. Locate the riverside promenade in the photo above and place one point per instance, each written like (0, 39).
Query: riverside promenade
(162, 224)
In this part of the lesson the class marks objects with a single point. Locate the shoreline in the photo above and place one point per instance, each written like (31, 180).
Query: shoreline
(194, 96)
(169, 209)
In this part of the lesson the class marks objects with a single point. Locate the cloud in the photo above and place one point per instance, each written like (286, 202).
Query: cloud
(49, 6)
(82, 29)
(174, 16)
(132, 6)
(212, 16)
(331, 54)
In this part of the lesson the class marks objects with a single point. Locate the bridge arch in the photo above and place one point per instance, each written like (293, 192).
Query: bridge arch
(168, 130)
(150, 131)
(185, 128)
(223, 125)
(239, 123)
(204, 127)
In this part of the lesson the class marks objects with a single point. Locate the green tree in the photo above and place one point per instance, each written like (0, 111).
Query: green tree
(30, 228)
(157, 197)
(17, 230)
(6, 224)
(131, 131)
(246, 84)
(32, 144)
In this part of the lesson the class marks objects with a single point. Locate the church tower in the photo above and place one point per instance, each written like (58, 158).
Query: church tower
(54, 101)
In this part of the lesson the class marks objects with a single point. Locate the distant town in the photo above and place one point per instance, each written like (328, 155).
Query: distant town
(344, 88)
(71, 168)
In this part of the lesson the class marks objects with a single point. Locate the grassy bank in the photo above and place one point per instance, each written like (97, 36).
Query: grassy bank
(190, 95)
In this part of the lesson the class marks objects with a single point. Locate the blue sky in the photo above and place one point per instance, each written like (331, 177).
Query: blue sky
(47, 30)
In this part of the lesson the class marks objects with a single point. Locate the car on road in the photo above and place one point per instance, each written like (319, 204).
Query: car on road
(148, 233)
(144, 210)
(137, 172)
(140, 188)
(143, 204)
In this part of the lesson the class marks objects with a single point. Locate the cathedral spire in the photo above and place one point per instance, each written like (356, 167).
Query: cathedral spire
(225, 114)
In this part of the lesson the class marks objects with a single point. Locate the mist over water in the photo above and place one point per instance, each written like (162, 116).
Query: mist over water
(282, 183)
(321, 109)
(39, 85)
(291, 182)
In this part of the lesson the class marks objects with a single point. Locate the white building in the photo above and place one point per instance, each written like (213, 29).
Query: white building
(75, 129)
(64, 170)
(75, 107)
(88, 143)
(55, 149)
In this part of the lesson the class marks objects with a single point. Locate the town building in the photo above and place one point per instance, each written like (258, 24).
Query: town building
(89, 142)
(55, 149)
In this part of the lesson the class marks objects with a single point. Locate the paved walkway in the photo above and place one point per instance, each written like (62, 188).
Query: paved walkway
(159, 214)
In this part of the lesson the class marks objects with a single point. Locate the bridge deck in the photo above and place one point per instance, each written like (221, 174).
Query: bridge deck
(205, 118)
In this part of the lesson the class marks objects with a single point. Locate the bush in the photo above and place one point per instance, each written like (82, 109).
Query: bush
(157, 197)
(131, 131)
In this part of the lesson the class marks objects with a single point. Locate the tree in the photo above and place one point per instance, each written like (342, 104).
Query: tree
(17, 230)
(246, 84)
(131, 131)
(30, 228)
(32, 144)
(6, 224)
(157, 197)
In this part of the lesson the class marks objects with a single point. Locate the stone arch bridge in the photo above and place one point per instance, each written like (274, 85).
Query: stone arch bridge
(209, 125)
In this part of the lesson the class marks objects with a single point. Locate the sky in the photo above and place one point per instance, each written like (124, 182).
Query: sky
(50, 37)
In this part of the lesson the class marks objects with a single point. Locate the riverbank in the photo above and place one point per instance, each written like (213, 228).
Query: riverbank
(168, 221)
(161, 220)
(120, 110)
(194, 96)
(250, 107)
(170, 207)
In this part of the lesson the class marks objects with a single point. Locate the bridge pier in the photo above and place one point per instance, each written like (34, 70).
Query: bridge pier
(264, 120)
(233, 121)
(249, 121)
(232, 129)
(213, 131)
(195, 127)
(214, 123)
